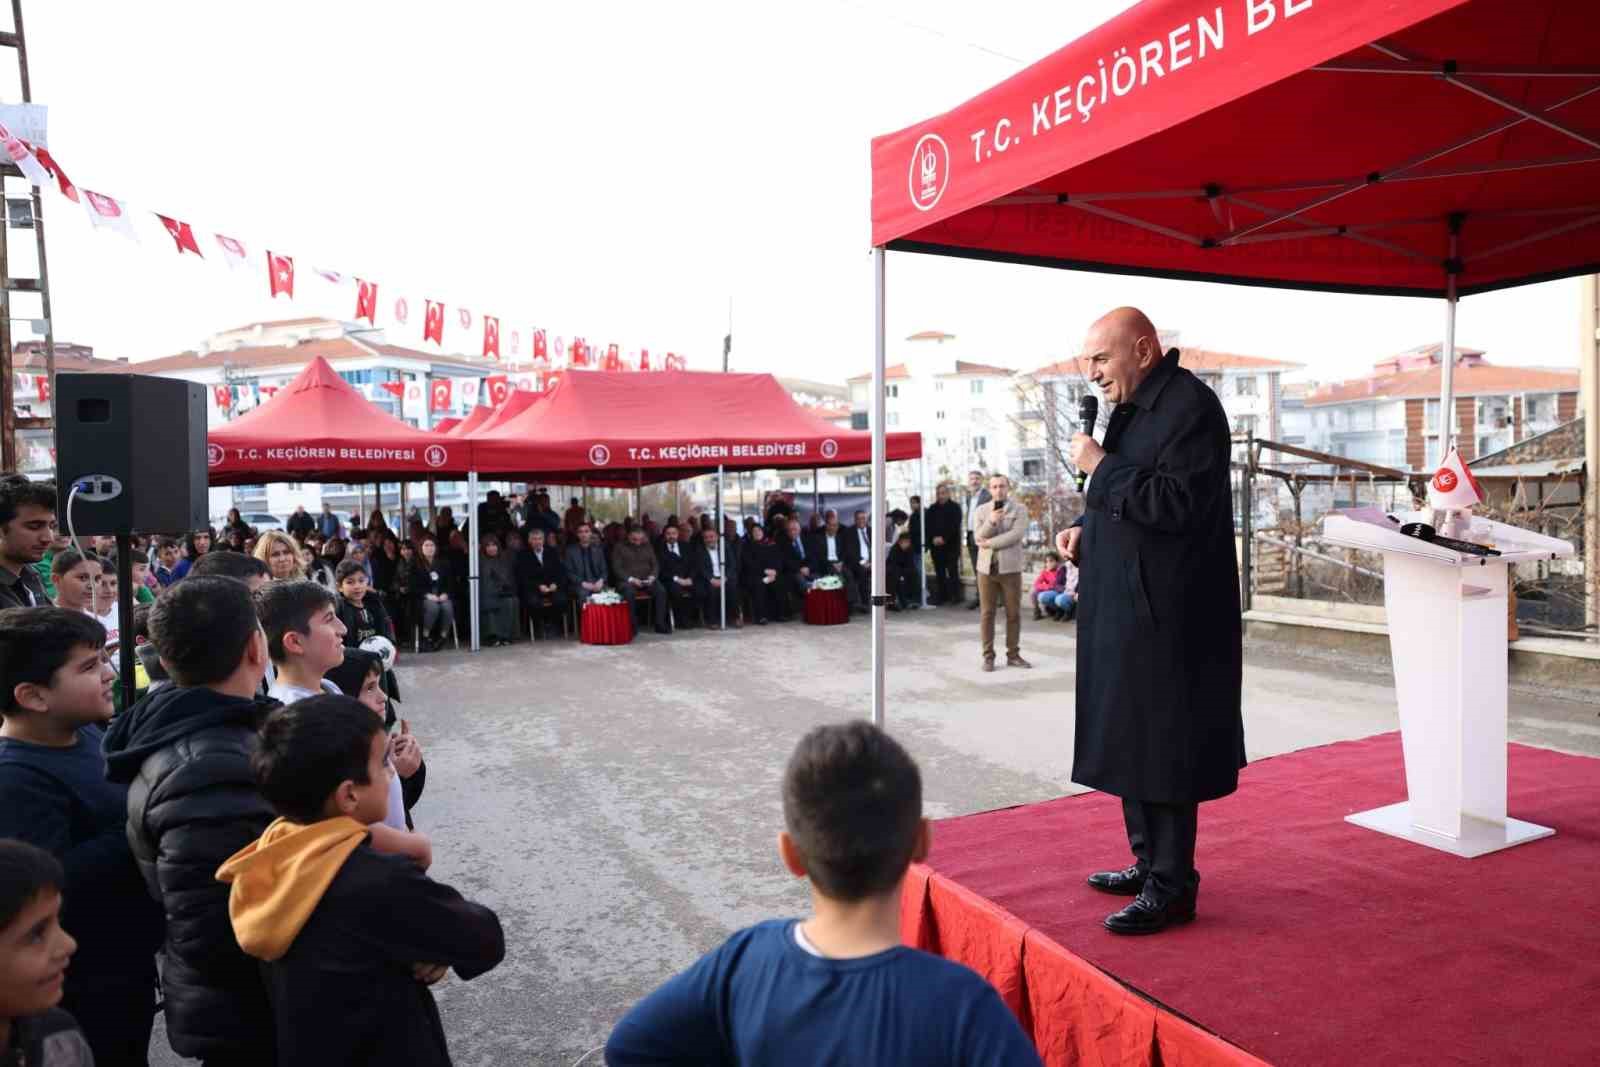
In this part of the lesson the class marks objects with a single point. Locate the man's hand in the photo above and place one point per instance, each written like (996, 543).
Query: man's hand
(716, 583)
(981, 542)
(1067, 543)
(429, 973)
(1085, 452)
(805, 572)
(938, 542)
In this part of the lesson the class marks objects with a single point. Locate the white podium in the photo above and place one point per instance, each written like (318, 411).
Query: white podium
(1447, 633)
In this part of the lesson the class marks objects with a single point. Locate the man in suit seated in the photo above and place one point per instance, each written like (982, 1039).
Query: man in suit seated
(541, 583)
(797, 574)
(857, 548)
(634, 566)
(714, 572)
(585, 564)
(676, 572)
(825, 555)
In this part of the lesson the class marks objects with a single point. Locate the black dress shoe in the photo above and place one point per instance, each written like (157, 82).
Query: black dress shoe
(1125, 883)
(1146, 915)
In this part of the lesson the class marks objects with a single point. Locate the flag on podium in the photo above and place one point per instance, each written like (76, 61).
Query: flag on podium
(1452, 485)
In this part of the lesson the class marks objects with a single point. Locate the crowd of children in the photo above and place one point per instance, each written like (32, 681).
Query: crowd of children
(248, 824)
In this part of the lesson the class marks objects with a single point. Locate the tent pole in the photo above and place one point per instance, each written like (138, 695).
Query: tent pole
(405, 503)
(433, 505)
(1447, 358)
(472, 559)
(722, 559)
(816, 489)
(922, 531)
(878, 475)
(638, 500)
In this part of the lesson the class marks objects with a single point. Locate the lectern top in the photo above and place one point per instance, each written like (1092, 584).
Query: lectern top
(1372, 530)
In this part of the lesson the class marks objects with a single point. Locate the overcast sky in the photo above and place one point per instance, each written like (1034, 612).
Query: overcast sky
(618, 171)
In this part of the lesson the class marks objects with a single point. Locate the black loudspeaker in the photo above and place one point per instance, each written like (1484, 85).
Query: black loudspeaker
(134, 448)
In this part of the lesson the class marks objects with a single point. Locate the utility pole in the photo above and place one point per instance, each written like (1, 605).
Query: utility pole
(9, 424)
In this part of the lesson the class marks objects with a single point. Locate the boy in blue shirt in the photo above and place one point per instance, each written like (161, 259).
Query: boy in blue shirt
(836, 988)
(55, 696)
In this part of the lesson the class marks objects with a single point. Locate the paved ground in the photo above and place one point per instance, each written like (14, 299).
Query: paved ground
(619, 807)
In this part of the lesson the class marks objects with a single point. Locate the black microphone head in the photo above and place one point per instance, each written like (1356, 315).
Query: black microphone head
(1088, 411)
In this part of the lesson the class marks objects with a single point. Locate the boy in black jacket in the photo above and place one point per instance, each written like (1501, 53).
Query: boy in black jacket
(184, 753)
(360, 608)
(352, 938)
(55, 696)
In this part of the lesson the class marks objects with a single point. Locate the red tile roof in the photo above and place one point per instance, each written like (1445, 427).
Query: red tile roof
(1481, 379)
(931, 335)
(889, 374)
(963, 367)
(1199, 360)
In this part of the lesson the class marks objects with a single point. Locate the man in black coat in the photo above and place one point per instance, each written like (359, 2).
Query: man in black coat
(541, 582)
(797, 575)
(184, 752)
(676, 569)
(1159, 629)
(826, 554)
(944, 545)
(714, 572)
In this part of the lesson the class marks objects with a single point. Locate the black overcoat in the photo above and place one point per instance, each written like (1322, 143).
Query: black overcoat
(1159, 630)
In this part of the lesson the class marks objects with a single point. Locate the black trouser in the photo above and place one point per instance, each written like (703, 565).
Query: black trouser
(541, 614)
(972, 557)
(656, 595)
(710, 601)
(1162, 838)
(684, 603)
(857, 583)
(115, 1012)
(765, 599)
(904, 586)
(947, 573)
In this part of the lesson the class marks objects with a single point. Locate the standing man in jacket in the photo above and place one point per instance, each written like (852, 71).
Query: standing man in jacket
(944, 533)
(1159, 629)
(977, 496)
(998, 527)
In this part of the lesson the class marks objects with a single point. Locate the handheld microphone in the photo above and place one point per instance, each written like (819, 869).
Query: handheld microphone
(1088, 413)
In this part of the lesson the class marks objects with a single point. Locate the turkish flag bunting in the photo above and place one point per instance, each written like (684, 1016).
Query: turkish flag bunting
(41, 385)
(68, 190)
(580, 353)
(516, 342)
(491, 336)
(182, 235)
(268, 392)
(613, 358)
(499, 388)
(541, 351)
(433, 323)
(367, 302)
(332, 277)
(644, 359)
(223, 396)
(440, 394)
(394, 389)
(280, 274)
(466, 319)
(109, 213)
(675, 362)
(233, 252)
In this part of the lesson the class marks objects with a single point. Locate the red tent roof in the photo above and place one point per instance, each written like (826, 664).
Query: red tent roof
(1282, 142)
(319, 429)
(475, 418)
(445, 425)
(516, 403)
(608, 428)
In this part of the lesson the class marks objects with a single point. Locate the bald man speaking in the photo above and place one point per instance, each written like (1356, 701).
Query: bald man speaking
(1159, 632)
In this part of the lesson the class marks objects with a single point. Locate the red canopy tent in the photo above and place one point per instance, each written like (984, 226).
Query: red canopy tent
(445, 426)
(519, 401)
(475, 418)
(629, 429)
(1410, 147)
(318, 428)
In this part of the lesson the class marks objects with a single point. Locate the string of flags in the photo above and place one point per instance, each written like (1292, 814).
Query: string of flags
(374, 304)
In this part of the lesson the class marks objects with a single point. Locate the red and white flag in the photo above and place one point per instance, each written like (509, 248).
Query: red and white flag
(68, 190)
(415, 401)
(267, 392)
(499, 388)
(224, 398)
(466, 318)
(233, 252)
(108, 213)
(644, 359)
(41, 385)
(491, 337)
(1453, 485)
(20, 154)
(433, 323)
(469, 389)
(182, 235)
(332, 277)
(675, 362)
(541, 351)
(516, 344)
(526, 382)
(402, 310)
(280, 274)
(394, 389)
(441, 392)
(367, 301)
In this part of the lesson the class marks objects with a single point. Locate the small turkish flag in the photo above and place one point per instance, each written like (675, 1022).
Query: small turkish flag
(433, 323)
(580, 353)
(541, 351)
(675, 362)
(1453, 485)
(41, 385)
(367, 301)
(499, 389)
(440, 394)
(644, 359)
(394, 389)
(332, 277)
(491, 336)
(613, 358)
(280, 274)
(223, 396)
(182, 235)
(233, 252)
(402, 310)
(109, 213)
(268, 392)
(68, 190)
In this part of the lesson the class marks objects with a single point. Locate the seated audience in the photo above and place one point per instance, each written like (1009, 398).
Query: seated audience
(357, 553)
(383, 558)
(637, 575)
(585, 563)
(497, 594)
(715, 584)
(541, 583)
(761, 574)
(677, 577)
(856, 546)
(360, 607)
(27, 532)
(797, 575)
(399, 598)
(281, 555)
(836, 987)
(55, 697)
(902, 573)
(34, 955)
(826, 556)
(350, 938)
(430, 586)
(184, 752)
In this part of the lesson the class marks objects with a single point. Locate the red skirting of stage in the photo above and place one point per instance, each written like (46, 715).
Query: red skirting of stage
(1317, 942)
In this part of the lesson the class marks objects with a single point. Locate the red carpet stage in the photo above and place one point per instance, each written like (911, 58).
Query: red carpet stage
(1317, 942)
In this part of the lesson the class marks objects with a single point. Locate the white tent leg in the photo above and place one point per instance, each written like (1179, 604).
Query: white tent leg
(878, 475)
(722, 559)
(472, 559)
(1447, 358)
(922, 522)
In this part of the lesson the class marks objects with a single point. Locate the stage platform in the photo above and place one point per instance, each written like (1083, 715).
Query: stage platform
(1317, 942)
